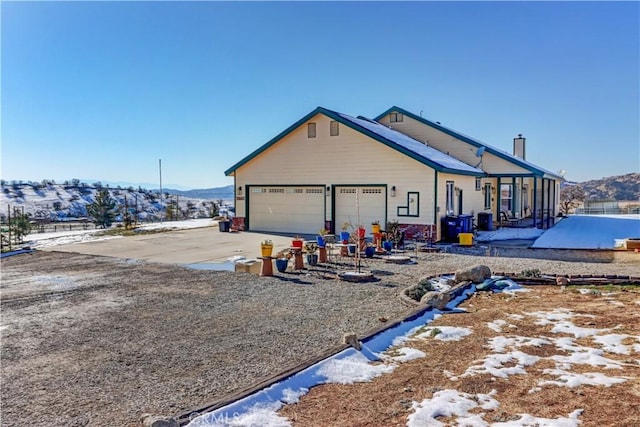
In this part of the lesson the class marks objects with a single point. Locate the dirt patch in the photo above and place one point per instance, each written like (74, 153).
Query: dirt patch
(91, 340)
(464, 365)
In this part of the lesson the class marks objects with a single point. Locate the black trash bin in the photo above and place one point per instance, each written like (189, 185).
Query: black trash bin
(450, 228)
(485, 221)
(224, 226)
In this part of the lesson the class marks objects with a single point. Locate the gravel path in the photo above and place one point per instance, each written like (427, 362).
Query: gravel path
(97, 341)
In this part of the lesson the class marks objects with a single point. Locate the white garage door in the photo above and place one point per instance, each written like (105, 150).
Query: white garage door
(368, 207)
(299, 210)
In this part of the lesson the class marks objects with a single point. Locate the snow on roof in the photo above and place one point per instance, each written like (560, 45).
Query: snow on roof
(408, 143)
(471, 140)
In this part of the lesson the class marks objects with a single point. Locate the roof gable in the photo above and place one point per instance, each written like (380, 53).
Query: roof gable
(536, 170)
(392, 138)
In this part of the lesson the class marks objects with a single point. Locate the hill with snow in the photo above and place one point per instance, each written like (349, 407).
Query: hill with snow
(48, 201)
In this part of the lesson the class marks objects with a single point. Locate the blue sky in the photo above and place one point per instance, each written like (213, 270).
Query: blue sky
(102, 90)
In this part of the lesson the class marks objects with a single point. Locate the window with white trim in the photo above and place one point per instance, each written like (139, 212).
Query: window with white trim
(487, 195)
(478, 183)
(450, 193)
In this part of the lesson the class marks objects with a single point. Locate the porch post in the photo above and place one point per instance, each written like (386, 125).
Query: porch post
(548, 203)
(514, 197)
(534, 210)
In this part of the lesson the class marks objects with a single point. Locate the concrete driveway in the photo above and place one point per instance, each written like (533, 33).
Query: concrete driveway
(198, 245)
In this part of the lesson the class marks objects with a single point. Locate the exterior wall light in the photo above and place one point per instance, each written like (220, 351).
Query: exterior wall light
(393, 191)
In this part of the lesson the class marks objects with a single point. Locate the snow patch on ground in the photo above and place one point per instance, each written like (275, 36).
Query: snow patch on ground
(451, 403)
(405, 354)
(352, 369)
(46, 240)
(444, 333)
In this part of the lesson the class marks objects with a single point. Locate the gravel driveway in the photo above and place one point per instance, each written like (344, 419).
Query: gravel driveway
(90, 340)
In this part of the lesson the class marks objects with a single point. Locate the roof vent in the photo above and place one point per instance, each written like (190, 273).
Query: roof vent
(519, 145)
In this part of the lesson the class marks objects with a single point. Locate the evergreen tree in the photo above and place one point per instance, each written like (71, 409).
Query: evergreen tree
(103, 209)
(20, 225)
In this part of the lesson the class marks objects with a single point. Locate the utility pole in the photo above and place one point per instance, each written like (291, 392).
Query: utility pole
(160, 169)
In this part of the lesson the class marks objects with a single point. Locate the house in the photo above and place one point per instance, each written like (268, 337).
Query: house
(329, 168)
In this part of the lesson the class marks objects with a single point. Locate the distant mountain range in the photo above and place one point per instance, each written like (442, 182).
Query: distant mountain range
(621, 188)
(204, 193)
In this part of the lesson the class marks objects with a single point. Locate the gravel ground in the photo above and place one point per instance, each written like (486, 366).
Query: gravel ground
(98, 341)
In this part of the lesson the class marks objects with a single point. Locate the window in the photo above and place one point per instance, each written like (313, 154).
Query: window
(487, 195)
(311, 130)
(506, 196)
(413, 205)
(478, 184)
(333, 128)
(450, 197)
(396, 117)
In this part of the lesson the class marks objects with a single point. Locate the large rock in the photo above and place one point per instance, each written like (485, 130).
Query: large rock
(477, 274)
(437, 300)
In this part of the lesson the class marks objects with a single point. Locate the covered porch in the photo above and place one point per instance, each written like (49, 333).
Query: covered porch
(526, 201)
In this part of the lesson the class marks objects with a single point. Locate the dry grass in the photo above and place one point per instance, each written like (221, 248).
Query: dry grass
(387, 400)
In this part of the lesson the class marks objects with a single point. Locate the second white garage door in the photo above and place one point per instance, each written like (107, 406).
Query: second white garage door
(370, 206)
(296, 210)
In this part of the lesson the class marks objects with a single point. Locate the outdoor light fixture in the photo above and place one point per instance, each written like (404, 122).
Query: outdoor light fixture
(393, 191)
(328, 188)
(239, 189)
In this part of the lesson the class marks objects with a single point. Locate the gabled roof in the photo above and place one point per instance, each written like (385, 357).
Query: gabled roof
(536, 170)
(398, 141)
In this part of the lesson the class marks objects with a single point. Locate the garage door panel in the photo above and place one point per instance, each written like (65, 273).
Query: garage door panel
(287, 209)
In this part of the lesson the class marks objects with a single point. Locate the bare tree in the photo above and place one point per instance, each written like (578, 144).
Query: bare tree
(570, 198)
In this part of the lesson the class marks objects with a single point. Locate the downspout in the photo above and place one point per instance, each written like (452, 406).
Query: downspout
(435, 204)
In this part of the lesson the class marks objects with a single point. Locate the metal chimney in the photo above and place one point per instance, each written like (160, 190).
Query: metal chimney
(519, 145)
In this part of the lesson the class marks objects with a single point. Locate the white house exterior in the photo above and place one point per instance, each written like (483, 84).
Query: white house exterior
(330, 168)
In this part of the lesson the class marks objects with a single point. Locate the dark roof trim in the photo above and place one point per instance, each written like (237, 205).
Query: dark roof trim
(336, 116)
(513, 159)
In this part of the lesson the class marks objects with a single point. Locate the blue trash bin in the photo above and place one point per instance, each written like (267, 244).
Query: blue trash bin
(224, 225)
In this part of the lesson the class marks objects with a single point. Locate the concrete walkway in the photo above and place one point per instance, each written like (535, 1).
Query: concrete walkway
(198, 245)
